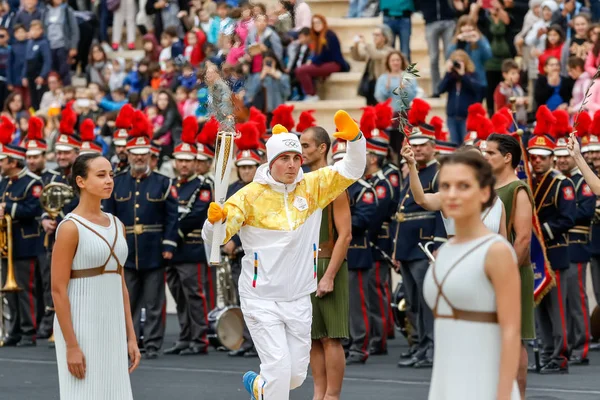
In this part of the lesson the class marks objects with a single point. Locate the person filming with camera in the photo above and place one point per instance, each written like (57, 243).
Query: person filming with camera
(463, 89)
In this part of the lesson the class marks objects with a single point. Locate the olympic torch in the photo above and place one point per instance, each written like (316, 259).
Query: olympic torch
(223, 166)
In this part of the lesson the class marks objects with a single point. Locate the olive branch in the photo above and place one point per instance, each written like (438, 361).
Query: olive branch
(410, 73)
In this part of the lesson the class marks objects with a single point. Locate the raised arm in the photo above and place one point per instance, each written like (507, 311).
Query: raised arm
(429, 201)
(522, 225)
(67, 239)
(501, 269)
(590, 176)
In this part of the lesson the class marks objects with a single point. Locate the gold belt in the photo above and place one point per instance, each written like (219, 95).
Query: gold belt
(138, 229)
(404, 217)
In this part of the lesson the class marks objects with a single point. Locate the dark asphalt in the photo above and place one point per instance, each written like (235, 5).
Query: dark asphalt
(30, 374)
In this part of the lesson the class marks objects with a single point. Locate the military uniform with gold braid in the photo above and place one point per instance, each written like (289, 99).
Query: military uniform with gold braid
(185, 269)
(555, 204)
(147, 205)
(20, 203)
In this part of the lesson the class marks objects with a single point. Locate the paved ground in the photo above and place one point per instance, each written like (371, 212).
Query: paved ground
(30, 374)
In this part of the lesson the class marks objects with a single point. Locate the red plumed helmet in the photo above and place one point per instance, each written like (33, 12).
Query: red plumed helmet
(283, 115)
(476, 109)
(584, 123)
(125, 117)
(7, 128)
(561, 127)
(438, 125)
(384, 114)
(208, 134)
(486, 126)
(189, 130)
(36, 125)
(545, 120)
(305, 120)
(249, 136)
(505, 111)
(67, 121)
(139, 124)
(368, 121)
(500, 124)
(595, 129)
(261, 119)
(418, 112)
(86, 130)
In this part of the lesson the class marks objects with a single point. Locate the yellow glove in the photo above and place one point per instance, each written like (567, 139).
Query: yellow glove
(216, 213)
(278, 129)
(347, 128)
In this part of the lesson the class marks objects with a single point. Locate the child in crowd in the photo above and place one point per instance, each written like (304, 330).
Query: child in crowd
(38, 62)
(245, 22)
(165, 53)
(235, 49)
(18, 49)
(209, 25)
(138, 77)
(194, 50)
(510, 88)
(555, 39)
(62, 31)
(118, 73)
(577, 72)
(188, 77)
(177, 47)
(168, 78)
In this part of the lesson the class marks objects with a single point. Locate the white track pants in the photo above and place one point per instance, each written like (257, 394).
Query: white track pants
(281, 335)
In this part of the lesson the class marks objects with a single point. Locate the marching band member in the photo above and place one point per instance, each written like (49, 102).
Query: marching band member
(21, 191)
(36, 148)
(277, 217)
(414, 225)
(555, 204)
(379, 236)
(578, 313)
(146, 202)
(185, 270)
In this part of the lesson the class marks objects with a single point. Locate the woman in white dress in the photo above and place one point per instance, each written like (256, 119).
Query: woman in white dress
(473, 289)
(493, 217)
(93, 327)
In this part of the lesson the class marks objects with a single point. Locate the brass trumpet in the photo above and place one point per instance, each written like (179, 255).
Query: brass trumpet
(6, 251)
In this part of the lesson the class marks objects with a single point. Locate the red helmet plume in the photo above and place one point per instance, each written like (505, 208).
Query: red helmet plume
(283, 115)
(584, 123)
(189, 130)
(249, 136)
(261, 119)
(438, 125)
(499, 124)
(67, 121)
(139, 124)
(368, 121)
(561, 127)
(86, 130)
(36, 125)
(305, 120)
(7, 128)
(125, 118)
(208, 134)
(384, 113)
(544, 119)
(418, 112)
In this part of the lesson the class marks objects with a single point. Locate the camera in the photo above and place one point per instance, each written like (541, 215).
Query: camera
(269, 63)
(455, 64)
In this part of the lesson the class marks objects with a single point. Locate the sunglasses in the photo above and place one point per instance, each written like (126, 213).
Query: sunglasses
(537, 157)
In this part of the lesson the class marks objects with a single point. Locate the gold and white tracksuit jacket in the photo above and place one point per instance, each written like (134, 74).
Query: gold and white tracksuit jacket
(279, 224)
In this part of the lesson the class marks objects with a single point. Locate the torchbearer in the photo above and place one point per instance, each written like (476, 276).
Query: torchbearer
(278, 217)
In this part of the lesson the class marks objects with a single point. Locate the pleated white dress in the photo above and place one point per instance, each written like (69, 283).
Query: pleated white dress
(98, 317)
(466, 362)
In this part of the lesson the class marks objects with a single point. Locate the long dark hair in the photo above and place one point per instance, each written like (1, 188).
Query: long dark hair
(81, 168)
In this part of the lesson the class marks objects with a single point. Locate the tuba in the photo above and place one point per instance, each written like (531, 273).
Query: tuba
(54, 197)
(6, 251)
(226, 324)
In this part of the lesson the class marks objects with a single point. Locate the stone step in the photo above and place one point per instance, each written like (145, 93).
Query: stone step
(325, 109)
(329, 8)
(342, 85)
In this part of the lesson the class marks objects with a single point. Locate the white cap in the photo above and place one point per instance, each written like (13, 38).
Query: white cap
(281, 143)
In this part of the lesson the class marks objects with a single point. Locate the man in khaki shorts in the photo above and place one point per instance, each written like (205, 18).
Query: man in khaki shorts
(330, 302)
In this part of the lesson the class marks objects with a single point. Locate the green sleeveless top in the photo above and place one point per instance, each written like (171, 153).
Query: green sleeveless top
(507, 194)
(327, 234)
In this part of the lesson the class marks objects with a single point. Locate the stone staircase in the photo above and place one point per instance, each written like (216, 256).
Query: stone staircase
(339, 91)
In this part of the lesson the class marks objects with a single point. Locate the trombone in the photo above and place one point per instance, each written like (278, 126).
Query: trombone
(6, 251)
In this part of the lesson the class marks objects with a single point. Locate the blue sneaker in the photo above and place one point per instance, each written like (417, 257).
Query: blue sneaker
(249, 379)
